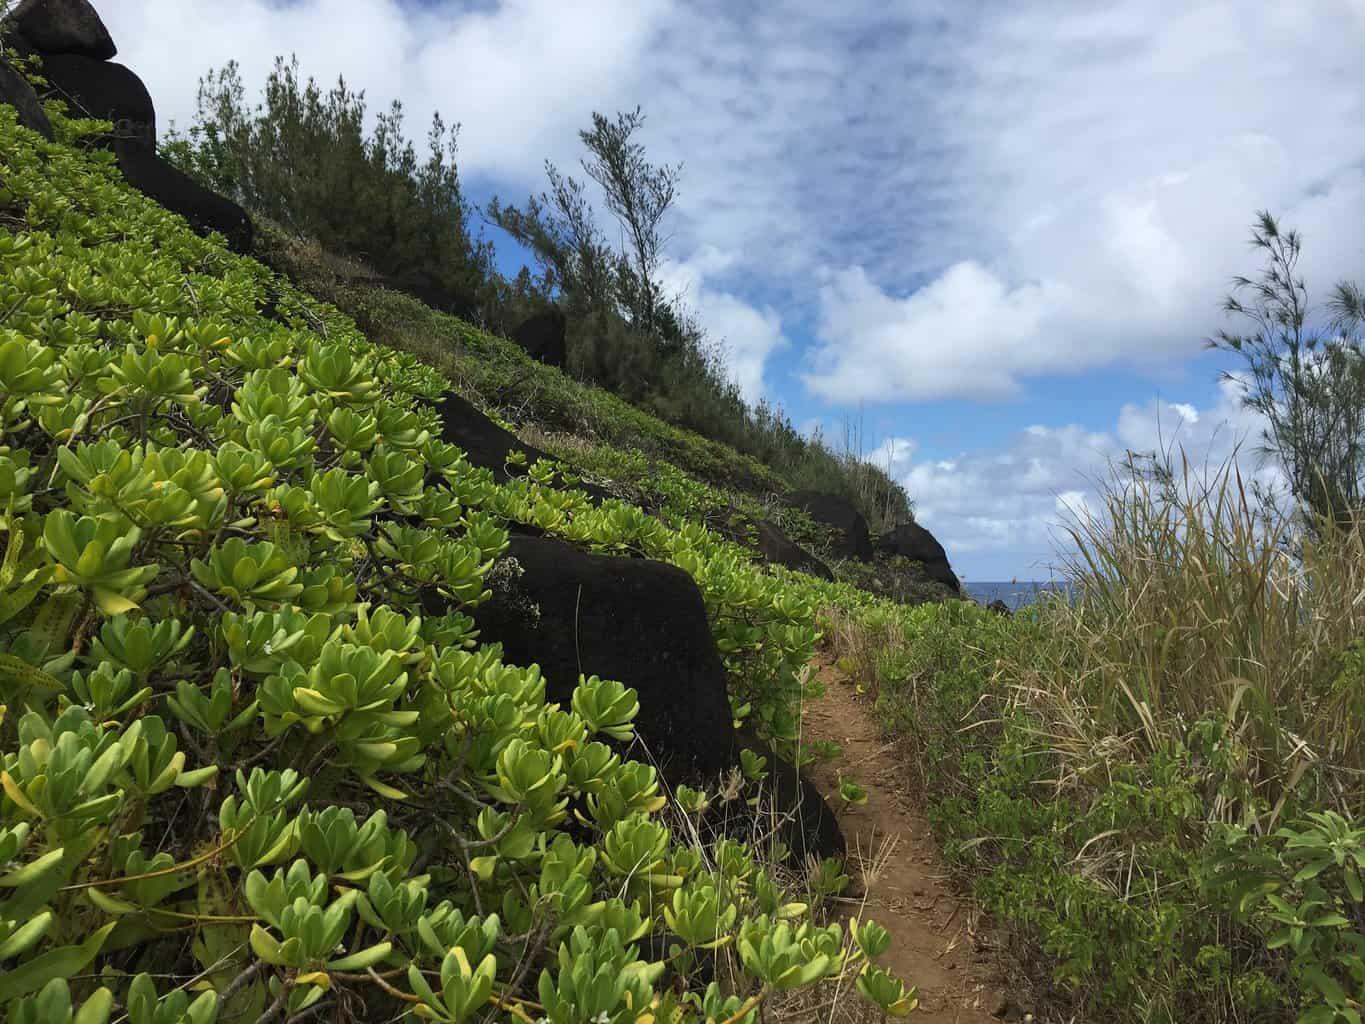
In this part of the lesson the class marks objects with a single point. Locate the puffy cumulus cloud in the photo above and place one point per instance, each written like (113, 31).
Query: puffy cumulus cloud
(950, 199)
(966, 334)
(748, 333)
(1108, 161)
(999, 512)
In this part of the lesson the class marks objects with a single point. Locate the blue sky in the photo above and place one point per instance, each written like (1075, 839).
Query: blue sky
(993, 234)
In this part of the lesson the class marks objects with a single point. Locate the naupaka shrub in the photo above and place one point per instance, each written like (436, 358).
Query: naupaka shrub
(242, 777)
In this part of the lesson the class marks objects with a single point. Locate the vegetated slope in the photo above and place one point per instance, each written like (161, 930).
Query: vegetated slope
(236, 757)
(672, 471)
(1157, 786)
(499, 373)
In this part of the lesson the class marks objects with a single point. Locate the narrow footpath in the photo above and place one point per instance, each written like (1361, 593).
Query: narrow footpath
(904, 887)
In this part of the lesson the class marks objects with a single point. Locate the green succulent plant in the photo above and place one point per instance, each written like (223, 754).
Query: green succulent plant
(249, 574)
(96, 554)
(282, 553)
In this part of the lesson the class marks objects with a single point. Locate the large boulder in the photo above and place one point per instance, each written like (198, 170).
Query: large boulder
(427, 289)
(175, 190)
(543, 337)
(485, 444)
(803, 820)
(776, 547)
(18, 93)
(63, 26)
(637, 621)
(852, 539)
(912, 541)
(102, 89)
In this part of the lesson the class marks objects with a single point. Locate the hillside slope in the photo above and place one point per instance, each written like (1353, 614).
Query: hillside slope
(661, 467)
(253, 743)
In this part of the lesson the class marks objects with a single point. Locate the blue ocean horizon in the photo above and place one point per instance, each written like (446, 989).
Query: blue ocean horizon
(1015, 593)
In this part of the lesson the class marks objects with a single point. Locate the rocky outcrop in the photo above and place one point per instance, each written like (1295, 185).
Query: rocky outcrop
(776, 547)
(851, 537)
(912, 541)
(488, 445)
(637, 621)
(543, 337)
(18, 93)
(104, 90)
(485, 444)
(175, 190)
(61, 27)
(75, 49)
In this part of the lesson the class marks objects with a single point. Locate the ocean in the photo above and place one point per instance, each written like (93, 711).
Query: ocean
(1015, 593)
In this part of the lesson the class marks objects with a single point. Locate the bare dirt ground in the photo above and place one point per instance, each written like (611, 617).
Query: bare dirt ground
(936, 944)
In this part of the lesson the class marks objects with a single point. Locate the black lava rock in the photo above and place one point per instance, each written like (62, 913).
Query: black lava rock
(776, 547)
(543, 337)
(16, 91)
(637, 621)
(63, 26)
(853, 539)
(915, 542)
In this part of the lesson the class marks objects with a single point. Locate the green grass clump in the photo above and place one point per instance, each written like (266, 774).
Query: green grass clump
(1156, 786)
(240, 776)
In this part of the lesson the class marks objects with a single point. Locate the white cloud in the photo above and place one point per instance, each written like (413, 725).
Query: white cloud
(948, 338)
(1107, 162)
(955, 200)
(997, 512)
(749, 333)
(520, 76)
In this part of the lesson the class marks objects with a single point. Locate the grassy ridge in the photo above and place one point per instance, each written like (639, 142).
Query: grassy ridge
(500, 374)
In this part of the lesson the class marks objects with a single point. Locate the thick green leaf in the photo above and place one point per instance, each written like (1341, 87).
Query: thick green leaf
(62, 962)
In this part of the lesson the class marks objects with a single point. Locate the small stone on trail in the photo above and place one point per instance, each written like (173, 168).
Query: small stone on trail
(1007, 1009)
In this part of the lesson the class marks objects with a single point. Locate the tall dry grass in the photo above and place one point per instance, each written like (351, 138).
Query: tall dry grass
(1191, 604)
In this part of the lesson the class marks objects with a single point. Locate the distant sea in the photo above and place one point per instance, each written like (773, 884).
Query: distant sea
(1015, 593)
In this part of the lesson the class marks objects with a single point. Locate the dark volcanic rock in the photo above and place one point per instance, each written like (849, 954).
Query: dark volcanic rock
(111, 92)
(543, 337)
(425, 288)
(775, 546)
(178, 192)
(853, 540)
(913, 541)
(485, 444)
(93, 88)
(807, 824)
(633, 620)
(63, 26)
(999, 607)
(15, 90)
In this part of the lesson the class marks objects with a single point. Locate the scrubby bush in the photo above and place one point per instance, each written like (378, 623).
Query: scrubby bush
(311, 161)
(1155, 784)
(1304, 374)
(240, 775)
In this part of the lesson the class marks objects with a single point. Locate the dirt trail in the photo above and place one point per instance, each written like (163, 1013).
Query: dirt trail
(934, 940)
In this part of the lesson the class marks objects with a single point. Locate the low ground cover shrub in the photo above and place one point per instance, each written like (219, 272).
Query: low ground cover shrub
(241, 777)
